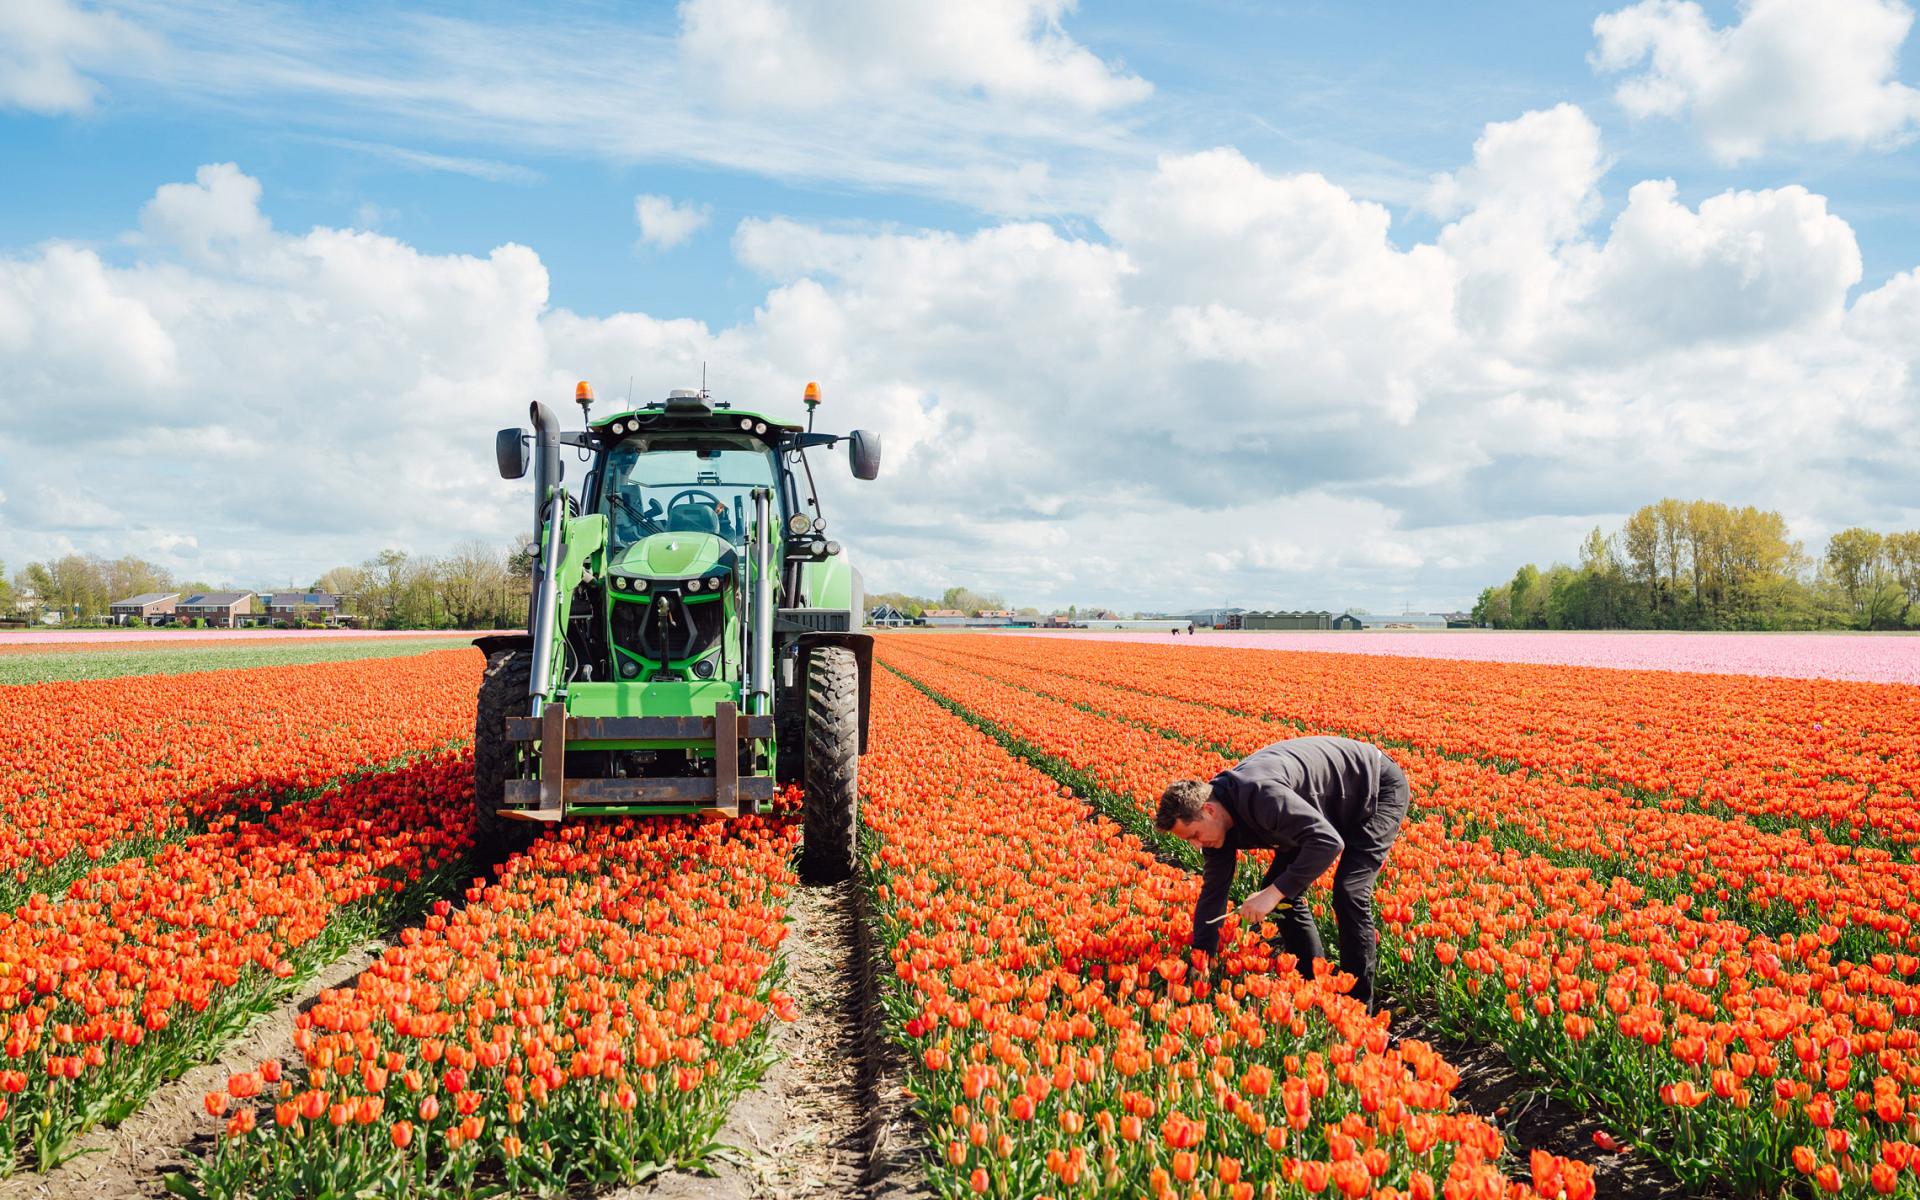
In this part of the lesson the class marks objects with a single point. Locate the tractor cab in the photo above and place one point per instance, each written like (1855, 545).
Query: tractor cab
(694, 638)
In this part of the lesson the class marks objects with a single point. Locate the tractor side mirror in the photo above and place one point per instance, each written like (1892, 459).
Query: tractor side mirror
(510, 451)
(863, 451)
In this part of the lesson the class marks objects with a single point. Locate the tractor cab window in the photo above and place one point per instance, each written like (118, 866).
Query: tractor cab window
(676, 486)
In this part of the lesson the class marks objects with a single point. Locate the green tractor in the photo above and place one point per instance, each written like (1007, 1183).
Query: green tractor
(694, 636)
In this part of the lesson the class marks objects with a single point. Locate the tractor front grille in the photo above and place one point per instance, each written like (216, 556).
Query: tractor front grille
(814, 620)
(665, 628)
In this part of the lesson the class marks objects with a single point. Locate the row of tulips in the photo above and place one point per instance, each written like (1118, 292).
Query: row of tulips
(1839, 757)
(144, 966)
(589, 1016)
(1860, 898)
(1064, 1043)
(1742, 1059)
(95, 771)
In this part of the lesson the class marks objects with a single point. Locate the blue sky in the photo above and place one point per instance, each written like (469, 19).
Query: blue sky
(1031, 146)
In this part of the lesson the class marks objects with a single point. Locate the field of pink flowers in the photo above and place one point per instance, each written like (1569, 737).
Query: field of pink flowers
(1861, 657)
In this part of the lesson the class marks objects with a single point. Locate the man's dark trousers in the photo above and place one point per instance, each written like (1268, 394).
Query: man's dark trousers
(1366, 849)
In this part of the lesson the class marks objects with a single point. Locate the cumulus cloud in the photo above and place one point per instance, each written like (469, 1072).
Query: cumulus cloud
(47, 48)
(1788, 72)
(664, 224)
(1241, 377)
(804, 54)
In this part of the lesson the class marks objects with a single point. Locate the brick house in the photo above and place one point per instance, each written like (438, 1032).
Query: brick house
(145, 607)
(217, 608)
(300, 608)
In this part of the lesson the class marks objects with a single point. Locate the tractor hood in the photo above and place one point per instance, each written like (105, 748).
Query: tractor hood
(675, 555)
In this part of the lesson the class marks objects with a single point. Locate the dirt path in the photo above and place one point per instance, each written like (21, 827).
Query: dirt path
(134, 1158)
(828, 1119)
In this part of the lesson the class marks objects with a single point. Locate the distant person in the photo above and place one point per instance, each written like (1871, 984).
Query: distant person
(1310, 800)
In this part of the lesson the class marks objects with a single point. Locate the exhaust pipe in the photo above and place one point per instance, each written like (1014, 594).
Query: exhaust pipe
(550, 507)
(761, 619)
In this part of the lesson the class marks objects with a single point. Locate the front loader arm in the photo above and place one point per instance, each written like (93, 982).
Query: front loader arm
(582, 540)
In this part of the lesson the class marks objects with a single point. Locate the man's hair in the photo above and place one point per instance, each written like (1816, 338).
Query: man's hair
(1181, 802)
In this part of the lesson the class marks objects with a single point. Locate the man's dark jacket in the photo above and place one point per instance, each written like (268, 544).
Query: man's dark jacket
(1301, 798)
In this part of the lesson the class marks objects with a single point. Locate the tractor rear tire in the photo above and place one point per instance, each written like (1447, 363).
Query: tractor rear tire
(830, 814)
(503, 694)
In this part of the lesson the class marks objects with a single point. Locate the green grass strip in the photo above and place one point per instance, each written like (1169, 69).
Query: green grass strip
(68, 665)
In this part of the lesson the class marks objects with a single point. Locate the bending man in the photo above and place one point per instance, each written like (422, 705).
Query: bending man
(1310, 800)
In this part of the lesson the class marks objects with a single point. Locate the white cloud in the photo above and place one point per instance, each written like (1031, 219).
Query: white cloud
(664, 224)
(491, 170)
(1788, 72)
(989, 104)
(47, 48)
(807, 54)
(1240, 378)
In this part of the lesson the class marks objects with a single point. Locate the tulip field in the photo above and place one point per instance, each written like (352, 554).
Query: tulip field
(1685, 904)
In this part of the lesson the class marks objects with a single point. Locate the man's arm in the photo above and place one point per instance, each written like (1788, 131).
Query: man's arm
(1212, 904)
(1289, 819)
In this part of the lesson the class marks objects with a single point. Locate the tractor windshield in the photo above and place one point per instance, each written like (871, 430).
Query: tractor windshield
(665, 485)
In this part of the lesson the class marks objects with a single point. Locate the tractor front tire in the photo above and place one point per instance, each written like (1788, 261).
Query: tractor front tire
(830, 814)
(503, 693)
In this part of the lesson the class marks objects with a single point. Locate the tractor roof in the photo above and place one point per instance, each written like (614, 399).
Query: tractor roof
(689, 412)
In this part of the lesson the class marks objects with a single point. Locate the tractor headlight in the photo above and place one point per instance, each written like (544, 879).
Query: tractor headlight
(703, 669)
(621, 583)
(638, 585)
(759, 426)
(629, 669)
(798, 524)
(694, 585)
(746, 423)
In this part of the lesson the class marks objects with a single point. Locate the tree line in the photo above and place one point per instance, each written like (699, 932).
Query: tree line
(475, 586)
(963, 599)
(1699, 564)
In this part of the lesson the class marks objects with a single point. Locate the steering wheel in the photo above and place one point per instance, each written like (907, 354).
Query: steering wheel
(712, 499)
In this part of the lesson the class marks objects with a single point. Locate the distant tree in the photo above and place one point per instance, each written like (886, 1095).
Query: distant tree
(130, 576)
(969, 601)
(1527, 599)
(1903, 562)
(386, 575)
(471, 579)
(6, 592)
(341, 581)
(75, 587)
(1857, 561)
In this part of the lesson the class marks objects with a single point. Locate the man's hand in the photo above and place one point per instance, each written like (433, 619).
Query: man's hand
(1257, 906)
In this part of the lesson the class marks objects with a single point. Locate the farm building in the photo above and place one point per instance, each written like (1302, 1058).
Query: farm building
(1214, 618)
(888, 616)
(1287, 620)
(1400, 620)
(217, 608)
(948, 617)
(1346, 621)
(144, 607)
